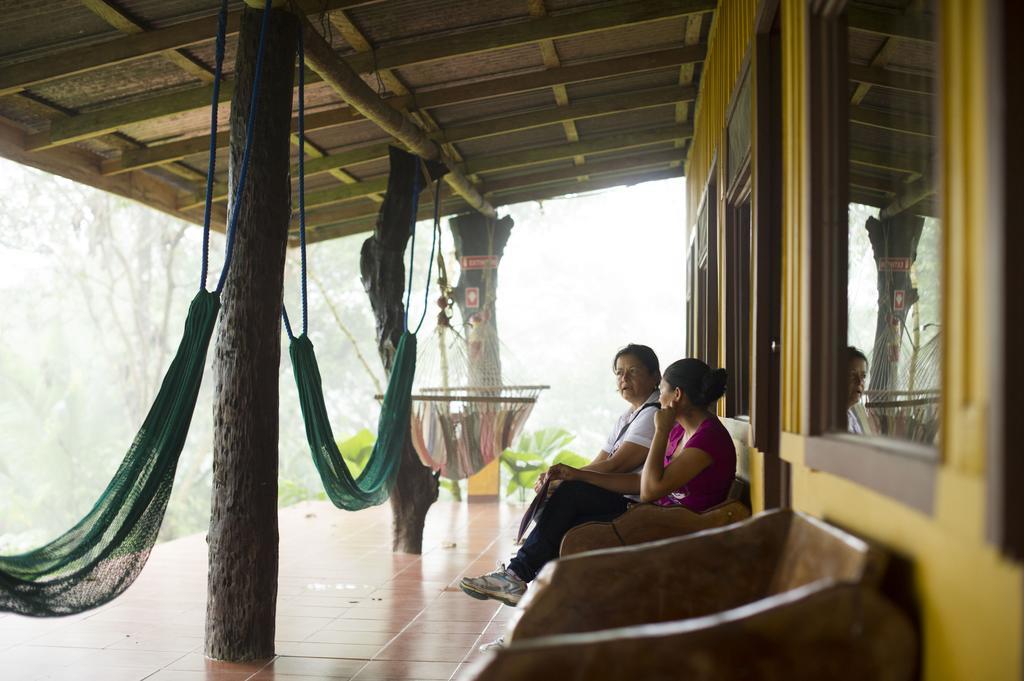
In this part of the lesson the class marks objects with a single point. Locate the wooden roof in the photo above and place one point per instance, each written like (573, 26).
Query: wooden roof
(532, 98)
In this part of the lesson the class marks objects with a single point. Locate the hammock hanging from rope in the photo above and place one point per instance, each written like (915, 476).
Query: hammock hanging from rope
(378, 477)
(101, 556)
(463, 415)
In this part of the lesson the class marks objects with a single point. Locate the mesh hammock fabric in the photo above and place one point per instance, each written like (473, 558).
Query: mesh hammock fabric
(374, 483)
(460, 425)
(463, 414)
(101, 556)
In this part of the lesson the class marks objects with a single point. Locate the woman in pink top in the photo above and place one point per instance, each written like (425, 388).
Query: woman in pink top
(692, 460)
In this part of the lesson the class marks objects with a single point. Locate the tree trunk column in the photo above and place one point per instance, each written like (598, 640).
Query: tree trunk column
(894, 242)
(243, 536)
(479, 245)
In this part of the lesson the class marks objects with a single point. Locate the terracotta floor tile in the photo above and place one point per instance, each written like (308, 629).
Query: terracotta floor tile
(197, 662)
(412, 651)
(357, 651)
(343, 599)
(183, 675)
(378, 638)
(387, 669)
(317, 667)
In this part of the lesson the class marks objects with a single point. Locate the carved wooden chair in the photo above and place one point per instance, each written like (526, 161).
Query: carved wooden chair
(779, 596)
(647, 522)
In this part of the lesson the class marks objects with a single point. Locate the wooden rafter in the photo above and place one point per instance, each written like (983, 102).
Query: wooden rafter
(619, 165)
(897, 122)
(76, 61)
(588, 108)
(346, 82)
(360, 220)
(871, 20)
(462, 44)
(507, 85)
(897, 80)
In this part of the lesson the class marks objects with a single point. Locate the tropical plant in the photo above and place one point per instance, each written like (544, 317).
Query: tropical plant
(534, 454)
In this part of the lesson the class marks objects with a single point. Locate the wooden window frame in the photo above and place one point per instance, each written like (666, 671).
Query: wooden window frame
(766, 255)
(706, 347)
(738, 191)
(1004, 524)
(903, 471)
(691, 294)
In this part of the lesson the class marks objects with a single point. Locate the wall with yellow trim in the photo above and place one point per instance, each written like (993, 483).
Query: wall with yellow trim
(970, 598)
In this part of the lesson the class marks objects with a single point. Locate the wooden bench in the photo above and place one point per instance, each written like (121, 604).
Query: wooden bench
(781, 595)
(647, 522)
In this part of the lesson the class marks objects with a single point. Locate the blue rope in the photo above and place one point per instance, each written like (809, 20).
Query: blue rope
(287, 323)
(233, 220)
(433, 249)
(211, 166)
(302, 182)
(412, 246)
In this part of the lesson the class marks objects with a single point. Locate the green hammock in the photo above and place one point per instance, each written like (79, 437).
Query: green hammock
(375, 482)
(378, 477)
(101, 556)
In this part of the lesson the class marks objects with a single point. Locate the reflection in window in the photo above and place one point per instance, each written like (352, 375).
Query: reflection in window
(895, 235)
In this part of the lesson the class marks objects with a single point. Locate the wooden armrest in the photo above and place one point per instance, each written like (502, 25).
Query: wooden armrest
(647, 522)
(702, 573)
(841, 632)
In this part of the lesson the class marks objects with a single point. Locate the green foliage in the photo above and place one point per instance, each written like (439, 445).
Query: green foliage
(356, 450)
(534, 454)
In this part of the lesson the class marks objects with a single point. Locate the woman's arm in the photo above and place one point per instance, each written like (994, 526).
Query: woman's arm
(626, 459)
(621, 483)
(656, 480)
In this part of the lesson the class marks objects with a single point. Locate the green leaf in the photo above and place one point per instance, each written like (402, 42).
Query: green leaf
(570, 459)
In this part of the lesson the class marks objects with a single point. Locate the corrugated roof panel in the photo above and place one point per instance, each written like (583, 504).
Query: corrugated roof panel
(401, 19)
(654, 117)
(471, 67)
(35, 29)
(542, 98)
(513, 141)
(626, 40)
(117, 85)
(627, 83)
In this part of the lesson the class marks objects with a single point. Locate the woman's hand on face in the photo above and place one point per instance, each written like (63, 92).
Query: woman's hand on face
(541, 479)
(664, 418)
(561, 472)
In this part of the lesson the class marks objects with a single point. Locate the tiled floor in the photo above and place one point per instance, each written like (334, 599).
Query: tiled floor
(347, 607)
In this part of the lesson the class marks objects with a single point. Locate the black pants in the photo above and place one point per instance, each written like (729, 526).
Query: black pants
(573, 503)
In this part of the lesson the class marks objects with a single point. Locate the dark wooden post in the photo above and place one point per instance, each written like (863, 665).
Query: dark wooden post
(894, 242)
(383, 275)
(479, 245)
(243, 535)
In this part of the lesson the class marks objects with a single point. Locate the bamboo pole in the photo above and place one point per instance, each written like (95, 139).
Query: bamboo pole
(321, 58)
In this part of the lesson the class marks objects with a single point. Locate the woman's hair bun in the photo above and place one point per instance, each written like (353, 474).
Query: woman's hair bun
(713, 385)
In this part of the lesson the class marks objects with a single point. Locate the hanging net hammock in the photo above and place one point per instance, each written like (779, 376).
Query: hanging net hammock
(909, 409)
(463, 415)
(103, 554)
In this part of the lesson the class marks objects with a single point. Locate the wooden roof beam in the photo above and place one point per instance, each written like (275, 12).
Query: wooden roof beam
(903, 123)
(77, 61)
(862, 18)
(497, 87)
(346, 82)
(896, 80)
(363, 222)
(618, 165)
(457, 45)
(528, 157)
(607, 143)
(890, 159)
(594, 106)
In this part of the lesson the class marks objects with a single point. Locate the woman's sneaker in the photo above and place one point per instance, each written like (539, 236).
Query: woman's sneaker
(501, 585)
(496, 644)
